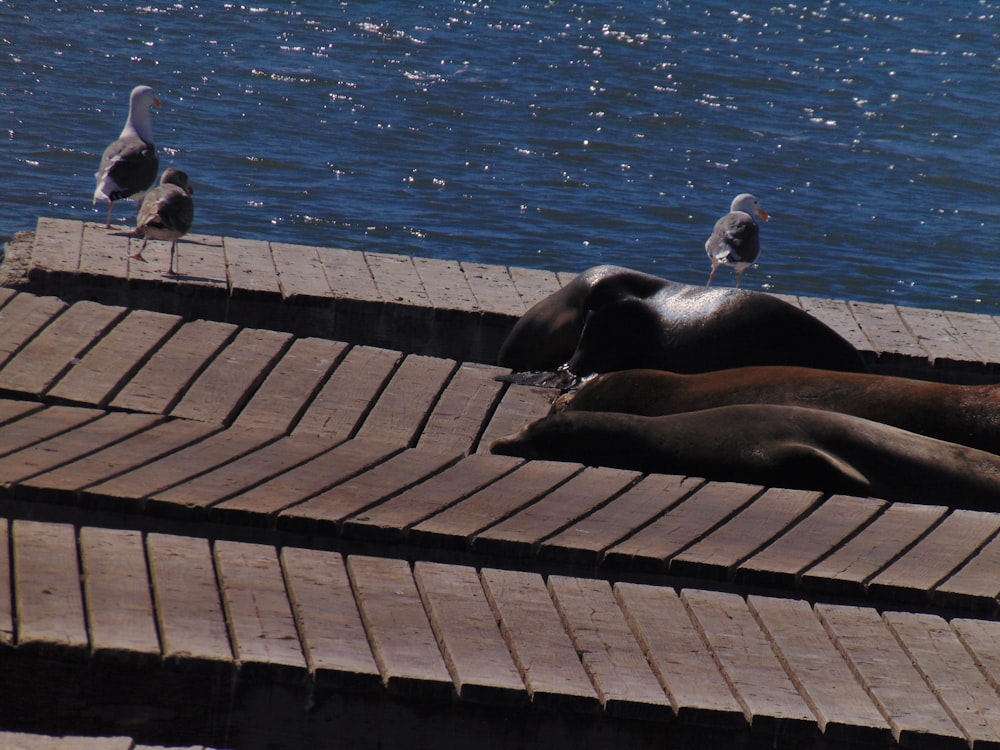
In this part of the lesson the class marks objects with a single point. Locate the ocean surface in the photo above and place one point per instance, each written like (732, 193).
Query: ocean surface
(554, 135)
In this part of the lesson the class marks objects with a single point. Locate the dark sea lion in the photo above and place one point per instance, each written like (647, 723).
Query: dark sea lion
(966, 414)
(776, 446)
(611, 318)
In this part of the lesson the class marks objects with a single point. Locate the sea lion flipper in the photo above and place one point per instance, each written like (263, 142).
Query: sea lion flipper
(561, 379)
(816, 467)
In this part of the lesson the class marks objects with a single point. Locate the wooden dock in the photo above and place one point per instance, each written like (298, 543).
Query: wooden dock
(253, 507)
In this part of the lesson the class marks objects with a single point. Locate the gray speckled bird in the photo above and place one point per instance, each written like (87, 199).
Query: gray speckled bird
(129, 164)
(735, 240)
(167, 213)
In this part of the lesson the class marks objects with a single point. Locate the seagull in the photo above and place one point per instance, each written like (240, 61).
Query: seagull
(735, 240)
(166, 213)
(129, 164)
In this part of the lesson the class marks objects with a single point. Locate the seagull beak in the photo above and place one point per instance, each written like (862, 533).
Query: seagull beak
(763, 214)
(157, 103)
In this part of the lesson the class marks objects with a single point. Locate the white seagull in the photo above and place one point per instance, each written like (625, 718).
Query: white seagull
(129, 164)
(735, 240)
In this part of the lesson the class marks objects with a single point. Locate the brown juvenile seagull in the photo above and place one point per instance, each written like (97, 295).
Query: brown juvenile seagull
(166, 213)
(129, 164)
(735, 240)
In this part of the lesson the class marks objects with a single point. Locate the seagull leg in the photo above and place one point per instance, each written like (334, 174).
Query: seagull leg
(111, 207)
(138, 255)
(170, 270)
(711, 276)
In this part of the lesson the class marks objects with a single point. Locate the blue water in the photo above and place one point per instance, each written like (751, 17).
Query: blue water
(555, 135)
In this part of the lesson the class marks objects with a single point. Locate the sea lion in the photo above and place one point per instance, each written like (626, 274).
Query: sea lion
(612, 318)
(966, 414)
(775, 446)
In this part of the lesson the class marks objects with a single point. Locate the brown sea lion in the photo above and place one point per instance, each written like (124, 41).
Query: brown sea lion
(777, 446)
(610, 318)
(966, 414)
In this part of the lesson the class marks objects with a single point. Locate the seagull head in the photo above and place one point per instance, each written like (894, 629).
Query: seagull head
(748, 204)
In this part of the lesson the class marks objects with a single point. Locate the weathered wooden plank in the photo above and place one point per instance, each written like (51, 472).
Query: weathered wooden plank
(228, 382)
(333, 636)
(838, 315)
(769, 699)
(402, 408)
(116, 587)
(346, 397)
(719, 553)
(396, 279)
(617, 667)
(886, 330)
(400, 634)
(199, 261)
(533, 284)
(468, 636)
(115, 358)
(48, 602)
(455, 526)
(261, 625)
(12, 410)
(889, 677)
(309, 479)
(519, 406)
(520, 535)
(391, 520)
(46, 357)
(938, 336)
(565, 277)
(57, 245)
(42, 425)
(586, 540)
(105, 254)
(982, 639)
(358, 493)
(975, 584)
(845, 712)
(947, 667)
(348, 275)
(174, 468)
(291, 385)
(445, 284)
(682, 525)
(22, 318)
(250, 268)
(936, 555)
(6, 594)
(300, 271)
(542, 650)
(244, 472)
(850, 567)
(679, 657)
(169, 372)
(493, 288)
(462, 408)
(6, 295)
(782, 561)
(69, 446)
(981, 333)
(24, 741)
(136, 450)
(188, 608)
